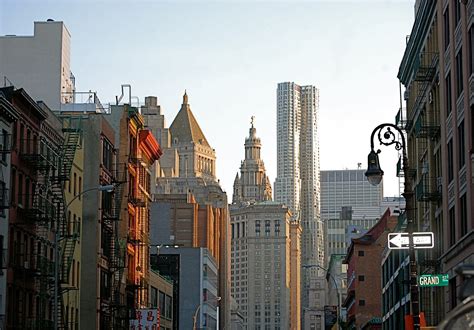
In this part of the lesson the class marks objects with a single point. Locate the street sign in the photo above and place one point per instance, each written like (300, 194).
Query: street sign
(401, 240)
(433, 280)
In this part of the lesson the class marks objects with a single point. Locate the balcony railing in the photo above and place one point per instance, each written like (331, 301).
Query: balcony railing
(38, 154)
(424, 129)
(428, 189)
(36, 208)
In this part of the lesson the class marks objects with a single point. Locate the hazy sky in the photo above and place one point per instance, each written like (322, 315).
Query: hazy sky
(230, 55)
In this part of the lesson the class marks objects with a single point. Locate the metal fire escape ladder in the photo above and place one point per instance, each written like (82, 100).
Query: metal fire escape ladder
(118, 250)
(69, 233)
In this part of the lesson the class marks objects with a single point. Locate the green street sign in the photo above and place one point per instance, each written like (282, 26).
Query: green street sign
(433, 280)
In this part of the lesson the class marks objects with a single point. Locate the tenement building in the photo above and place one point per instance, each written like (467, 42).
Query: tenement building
(265, 266)
(438, 74)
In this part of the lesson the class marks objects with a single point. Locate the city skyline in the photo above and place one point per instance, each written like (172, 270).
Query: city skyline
(237, 66)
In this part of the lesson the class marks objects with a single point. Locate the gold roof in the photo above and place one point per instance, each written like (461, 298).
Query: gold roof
(185, 127)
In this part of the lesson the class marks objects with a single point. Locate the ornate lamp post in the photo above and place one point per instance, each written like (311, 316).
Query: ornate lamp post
(387, 137)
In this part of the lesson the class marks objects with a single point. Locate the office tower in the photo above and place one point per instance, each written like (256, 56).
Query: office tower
(265, 258)
(297, 183)
(190, 208)
(349, 203)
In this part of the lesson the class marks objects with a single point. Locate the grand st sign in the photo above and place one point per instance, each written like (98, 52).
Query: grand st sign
(433, 280)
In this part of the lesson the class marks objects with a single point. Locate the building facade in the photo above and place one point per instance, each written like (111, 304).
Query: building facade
(187, 176)
(265, 252)
(297, 182)
(138, 150)
(196, 301)
(364, 291)
(436, 71)
(253, 184)
(40, 63)
(348, 200)
(8, 118)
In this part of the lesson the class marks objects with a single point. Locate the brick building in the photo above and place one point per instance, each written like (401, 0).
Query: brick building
(364, 292)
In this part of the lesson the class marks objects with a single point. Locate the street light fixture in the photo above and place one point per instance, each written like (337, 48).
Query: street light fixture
(107, 188)
(386, 136)
(199, 307)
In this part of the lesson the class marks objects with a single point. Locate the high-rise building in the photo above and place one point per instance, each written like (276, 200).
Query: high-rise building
(40, 63)
(297, 183)
(253, 185)
(190, 207)
(265, 258)
(348, 202)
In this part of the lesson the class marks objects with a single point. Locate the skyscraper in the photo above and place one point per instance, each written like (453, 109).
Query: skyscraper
(349, 204)
(265, 252)
(297, 182)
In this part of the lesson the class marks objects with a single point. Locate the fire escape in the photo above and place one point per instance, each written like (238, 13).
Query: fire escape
(422, 124)
(51, 158)
(116, 251)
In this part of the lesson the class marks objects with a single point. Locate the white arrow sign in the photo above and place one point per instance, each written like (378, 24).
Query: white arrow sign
(402, 240)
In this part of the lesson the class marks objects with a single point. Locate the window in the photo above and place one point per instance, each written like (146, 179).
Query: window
(361, 253)
(471, 49)
(267, 228)
(20, 189)
(162, 303)
(75, 184)
(453, 299)
(277, 227)
(448, 94)
(457, 12)
(80, 187)
(361, 302)
(450, 161)
(461, 145)
(257, 228)
(452, 226)
(107, 154)
(361, 278)
(459, 75)
(13, 186)
(233, 231)
(463, 215)
(446, 27)
(5, 145)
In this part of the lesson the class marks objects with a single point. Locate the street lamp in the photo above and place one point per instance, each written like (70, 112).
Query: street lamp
(374, 175)
(107, 188)
(199, 307)
(338, 315)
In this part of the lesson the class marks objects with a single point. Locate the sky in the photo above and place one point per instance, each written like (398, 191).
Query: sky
(230, 56)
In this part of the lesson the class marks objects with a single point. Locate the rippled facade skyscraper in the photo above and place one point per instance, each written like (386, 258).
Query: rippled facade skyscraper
(297, 183)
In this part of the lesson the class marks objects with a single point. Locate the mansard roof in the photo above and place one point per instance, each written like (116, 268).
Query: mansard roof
(185, 127)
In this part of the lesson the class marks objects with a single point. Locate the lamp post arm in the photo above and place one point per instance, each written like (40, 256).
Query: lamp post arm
(388, 137)
(99, 188)
(195, 316)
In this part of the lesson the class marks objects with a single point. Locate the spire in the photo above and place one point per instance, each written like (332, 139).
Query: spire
(252, 130)
(185, 98)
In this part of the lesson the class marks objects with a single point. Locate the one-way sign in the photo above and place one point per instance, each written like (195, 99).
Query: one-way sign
(402, 241)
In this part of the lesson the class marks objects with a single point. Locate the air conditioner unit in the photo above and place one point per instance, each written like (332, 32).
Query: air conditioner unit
(406, 95)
